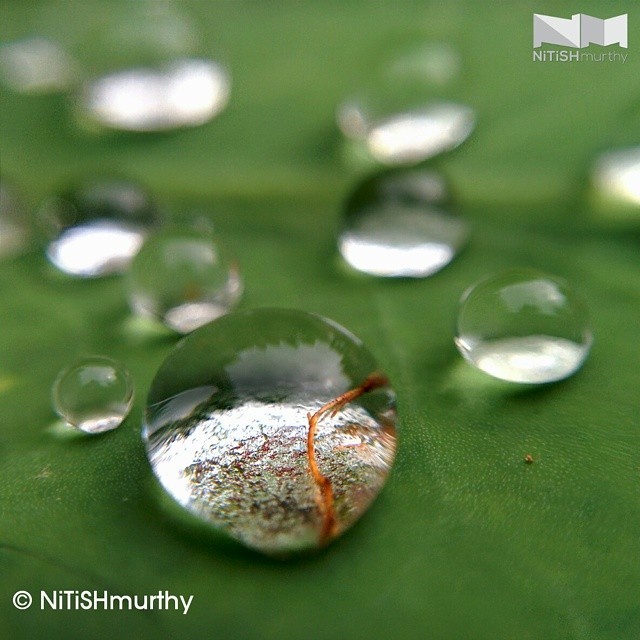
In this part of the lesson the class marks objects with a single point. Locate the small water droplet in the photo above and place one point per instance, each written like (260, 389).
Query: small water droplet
(15, 228)
(96, 228)
(184, 278)
(523, 326)
(615, 182)
(403, 115)
(37, 65)
(398, 224)
(228, 428)
(94, 394)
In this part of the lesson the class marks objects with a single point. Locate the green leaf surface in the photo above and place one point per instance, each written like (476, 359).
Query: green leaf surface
(465, 541)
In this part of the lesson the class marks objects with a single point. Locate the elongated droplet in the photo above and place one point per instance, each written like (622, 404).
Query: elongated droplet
(182, 93)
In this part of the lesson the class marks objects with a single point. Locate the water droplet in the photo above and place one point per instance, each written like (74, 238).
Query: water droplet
(147, 71)
(615, 181)
(15, 230)
(94, 394)
(182, 93)
(398, 225)
(184, 278)
(403, 115)
(37, 65)
(228, 428)
(95, 229)
(523, 326)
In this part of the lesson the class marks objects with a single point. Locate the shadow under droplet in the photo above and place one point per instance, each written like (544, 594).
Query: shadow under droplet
(464, 382)
(64, 431)
(140, 330)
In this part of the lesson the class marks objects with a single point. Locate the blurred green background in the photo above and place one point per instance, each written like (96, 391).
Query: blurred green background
(466, 541)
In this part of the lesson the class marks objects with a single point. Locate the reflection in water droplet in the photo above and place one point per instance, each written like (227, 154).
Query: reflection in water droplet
(184, 93)
(184, 278)
(523, 326)
(15, 230)
(37, 65)
(227, 426)
(397, 225)
(403, 116)
(619, 173)
(615, 181)
(95, 229)
(413, 136)
(93, 395)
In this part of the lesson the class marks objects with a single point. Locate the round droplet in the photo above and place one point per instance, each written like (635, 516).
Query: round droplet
(274, 426)
(523, 326)
(15, 230)
(184, 278)
(96, 228)
(403, 116)
(94, 394)
(398, 224)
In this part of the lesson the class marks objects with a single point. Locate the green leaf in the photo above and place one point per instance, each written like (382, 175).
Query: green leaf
(466, 540)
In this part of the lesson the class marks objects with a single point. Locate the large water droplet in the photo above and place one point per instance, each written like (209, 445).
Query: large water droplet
(94, 394)
(403, 116)
(96, 228)
(246, 426)
(523, 326)
(398, 225)
(184, 278)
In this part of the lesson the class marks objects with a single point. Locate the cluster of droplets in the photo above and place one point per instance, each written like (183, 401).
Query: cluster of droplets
(133, 66)
(277, 427)
(182, 277)
(521, 326)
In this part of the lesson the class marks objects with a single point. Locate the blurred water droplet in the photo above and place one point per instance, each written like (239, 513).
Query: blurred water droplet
(226, 427)
(184, 278)
(615, 183)
(184, 93)
(37, 65)
(403, 116)
(147, 72)
(96, 228)
(523, 326)
(94, 394)
(398, 225)
(15, 227)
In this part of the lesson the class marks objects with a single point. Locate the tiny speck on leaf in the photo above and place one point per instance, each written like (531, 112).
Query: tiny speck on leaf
(528, 458)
